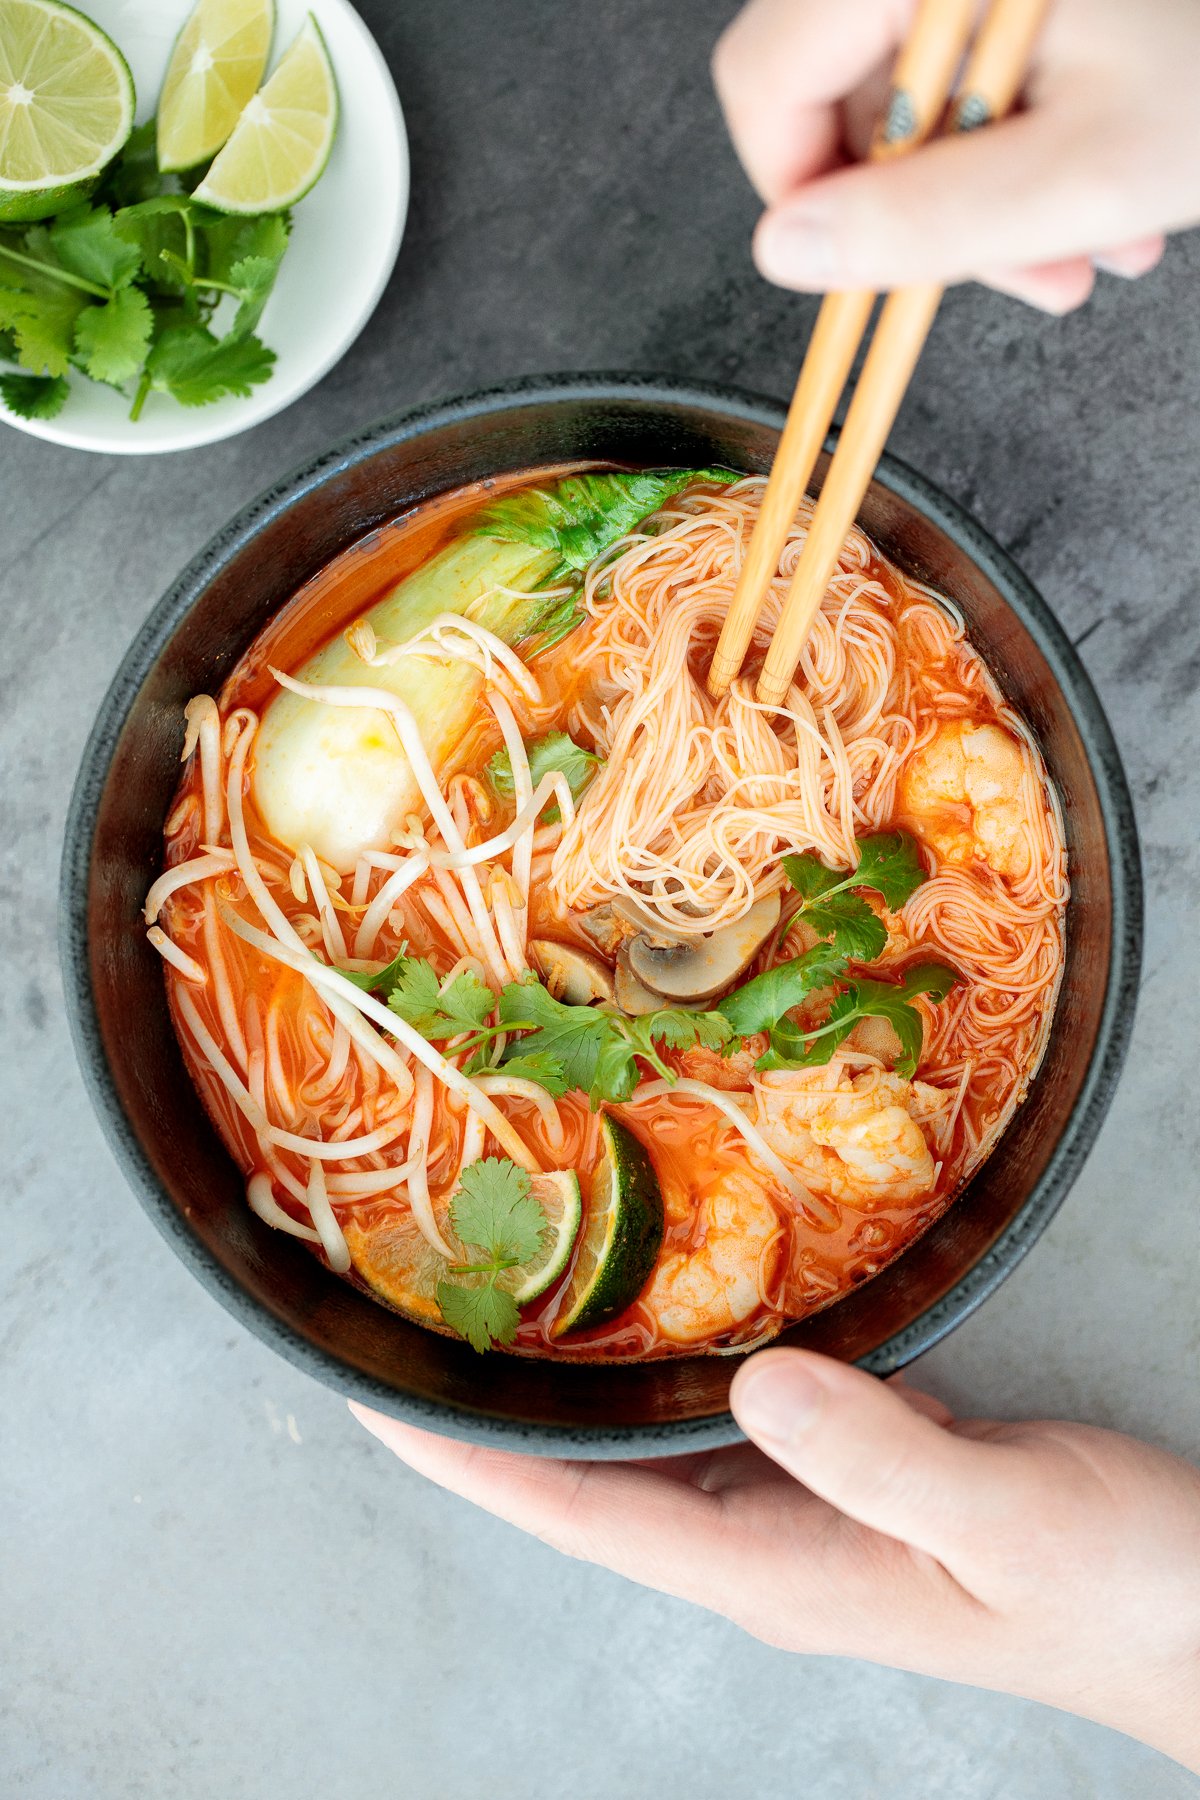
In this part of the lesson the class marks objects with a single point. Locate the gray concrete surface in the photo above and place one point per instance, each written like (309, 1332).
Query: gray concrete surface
(211, 1582)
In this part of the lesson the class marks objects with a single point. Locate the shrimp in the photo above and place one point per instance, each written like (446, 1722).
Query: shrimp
(962, 795)
(858, 1139)
(712, 1288)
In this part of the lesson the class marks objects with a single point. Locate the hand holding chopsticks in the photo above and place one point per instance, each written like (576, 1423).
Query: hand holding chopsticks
(923, 78)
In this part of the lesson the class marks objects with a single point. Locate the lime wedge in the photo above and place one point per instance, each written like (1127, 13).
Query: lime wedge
(281, 143)
(394, 1259)
(66, 106)
(215, 69)
(622, 1234)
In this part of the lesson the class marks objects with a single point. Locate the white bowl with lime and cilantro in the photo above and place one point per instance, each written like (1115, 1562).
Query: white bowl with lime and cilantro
(217, 233)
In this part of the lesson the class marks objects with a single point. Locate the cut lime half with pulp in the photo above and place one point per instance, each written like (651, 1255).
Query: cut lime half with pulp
(214, 71)
(281, 143)
(396, 1261)
(622, 1234)
(66, 107)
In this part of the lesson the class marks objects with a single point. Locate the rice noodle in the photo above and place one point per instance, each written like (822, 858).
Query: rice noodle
(203, 728)
(455, 637)
(411, 869)
(179, 959)
(263, 1202)
(520, 1089)
(198, 868)
(327, 1227)
(418, 1157)
(322, 976)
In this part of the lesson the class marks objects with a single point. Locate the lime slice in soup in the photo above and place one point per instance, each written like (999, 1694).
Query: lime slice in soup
(281, 143)
(397, 1262)
(66, 107)
(214, 71)
(622, 1234)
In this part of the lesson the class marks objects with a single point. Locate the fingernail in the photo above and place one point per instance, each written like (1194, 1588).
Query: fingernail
(795, 247)
(1107, 267)
(779, 1401)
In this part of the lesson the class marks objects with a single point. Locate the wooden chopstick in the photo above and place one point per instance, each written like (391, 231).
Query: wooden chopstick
(921, 83)
(989, 86)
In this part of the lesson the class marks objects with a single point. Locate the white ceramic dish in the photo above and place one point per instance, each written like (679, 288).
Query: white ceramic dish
(344, 243)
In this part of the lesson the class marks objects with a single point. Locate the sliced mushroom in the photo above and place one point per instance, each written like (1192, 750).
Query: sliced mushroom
(704, 967)
(571, 974)
(605, 929)
(632, 996)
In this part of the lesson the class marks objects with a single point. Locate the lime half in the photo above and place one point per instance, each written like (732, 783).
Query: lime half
(214, 71)
(396, 1261)
(66, 106)
(281, 143)
(622, 1235)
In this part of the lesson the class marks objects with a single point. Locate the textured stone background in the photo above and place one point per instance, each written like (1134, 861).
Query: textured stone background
(212, 1582)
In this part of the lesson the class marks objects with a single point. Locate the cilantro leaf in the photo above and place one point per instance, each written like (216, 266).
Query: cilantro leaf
(252, 278)
(483, 1314)
(229, 239)
(595, 1049)
(554, 751)
(158, 228)
(417, 995)
(570, 1035)
(494, 1211)
(33, 396)
(42, 325)
(496, 1217)
(134, 176)
(890, 862)
(379, 980)
(111, 340)
(537, 1067)
(760, 1004)
(194, 367)
(793, 1047)
(87, 243)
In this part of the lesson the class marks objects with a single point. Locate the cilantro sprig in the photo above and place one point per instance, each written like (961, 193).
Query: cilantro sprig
(553, 751)
(889, 862)
(125, 288)
(794, 1046)
(596, 1048)
(495, 1216)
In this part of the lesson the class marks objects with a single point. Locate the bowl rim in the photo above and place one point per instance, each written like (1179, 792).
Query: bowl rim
(613, 1442)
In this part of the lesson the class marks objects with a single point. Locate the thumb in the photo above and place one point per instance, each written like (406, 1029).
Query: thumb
(1014, 194)
(857, 1444)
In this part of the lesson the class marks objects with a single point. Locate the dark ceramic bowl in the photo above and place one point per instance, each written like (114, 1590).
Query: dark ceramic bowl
(114, 984)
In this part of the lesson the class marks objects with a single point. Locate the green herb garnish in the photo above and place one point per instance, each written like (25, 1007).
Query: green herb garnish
(495, 1216)
(596, 1048)
(124, 290)
(795, 1047)
(889, 863)
(554, 751)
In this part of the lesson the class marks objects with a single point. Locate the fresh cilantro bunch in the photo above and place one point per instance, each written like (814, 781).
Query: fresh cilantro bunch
(124, 289)
(595, 1048)
(494, 1215)
(888, 862)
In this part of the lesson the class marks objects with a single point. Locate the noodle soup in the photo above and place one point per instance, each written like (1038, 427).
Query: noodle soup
(563, 1007)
